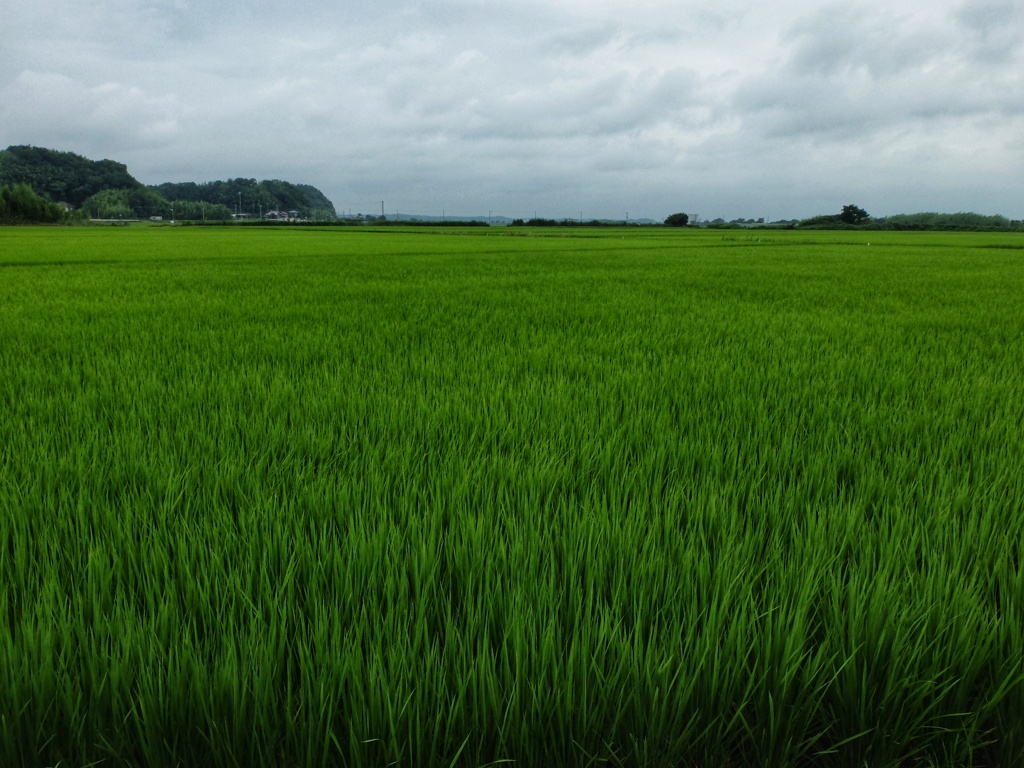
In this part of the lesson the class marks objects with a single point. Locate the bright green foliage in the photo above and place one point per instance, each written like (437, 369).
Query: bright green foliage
(144, 203)
(20, 205)
(659, 498)
(110, 204)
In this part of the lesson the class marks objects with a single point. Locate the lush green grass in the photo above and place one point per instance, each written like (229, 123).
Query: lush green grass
(312, 498)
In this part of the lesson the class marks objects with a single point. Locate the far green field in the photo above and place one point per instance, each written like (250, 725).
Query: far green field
(349, 497)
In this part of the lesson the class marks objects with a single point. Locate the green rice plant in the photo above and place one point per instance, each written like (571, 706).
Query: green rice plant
(302, 497)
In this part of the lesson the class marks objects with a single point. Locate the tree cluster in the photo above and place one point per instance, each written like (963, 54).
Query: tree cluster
(253, 198)
(851, 216)
(145, 203)
(948, 221)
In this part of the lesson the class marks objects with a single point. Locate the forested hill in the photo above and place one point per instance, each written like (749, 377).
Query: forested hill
(105, 189)
(254, 196)
(63, 177)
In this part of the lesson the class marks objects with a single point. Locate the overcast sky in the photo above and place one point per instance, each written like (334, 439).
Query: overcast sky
(599, 108)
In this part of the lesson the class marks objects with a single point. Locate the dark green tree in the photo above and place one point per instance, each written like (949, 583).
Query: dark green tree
(851, 214)
(144, 203)
(677, 220)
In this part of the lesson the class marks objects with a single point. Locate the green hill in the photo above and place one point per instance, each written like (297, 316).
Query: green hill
(105, 189)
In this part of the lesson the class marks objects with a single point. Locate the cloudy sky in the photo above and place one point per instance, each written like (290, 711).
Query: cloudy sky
(599, 108)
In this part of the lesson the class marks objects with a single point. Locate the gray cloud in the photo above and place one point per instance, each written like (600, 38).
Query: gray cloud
(849, 79)
(730, 109)
(69, 111)
(993, 31)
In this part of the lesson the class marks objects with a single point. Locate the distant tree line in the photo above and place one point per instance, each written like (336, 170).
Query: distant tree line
(852, 217)
(537, 222)
(948, 221)
(379, 221)
(254, 198)
(144, 203)
(747, 224)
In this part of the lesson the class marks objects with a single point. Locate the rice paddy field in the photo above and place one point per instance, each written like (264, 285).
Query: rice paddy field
(337, 497)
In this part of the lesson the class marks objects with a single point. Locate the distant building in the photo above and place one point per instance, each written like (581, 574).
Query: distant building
(281, 216)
